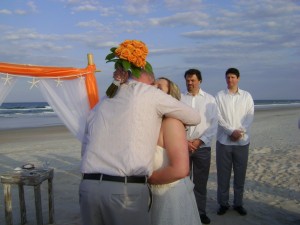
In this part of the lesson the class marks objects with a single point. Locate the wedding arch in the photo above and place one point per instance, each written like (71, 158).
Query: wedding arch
(71, 92)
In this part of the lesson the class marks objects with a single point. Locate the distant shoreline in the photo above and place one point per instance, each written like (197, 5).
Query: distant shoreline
(276, 107)
(62, 126)
(253, 99)
(55, 127)
(272, 193)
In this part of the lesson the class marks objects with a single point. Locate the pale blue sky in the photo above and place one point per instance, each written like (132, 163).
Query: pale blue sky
(259, 37)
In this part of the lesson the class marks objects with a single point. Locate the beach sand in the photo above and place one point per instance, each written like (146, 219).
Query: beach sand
(272, 191)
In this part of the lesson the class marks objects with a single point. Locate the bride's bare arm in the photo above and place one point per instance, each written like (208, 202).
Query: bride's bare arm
(174, 141)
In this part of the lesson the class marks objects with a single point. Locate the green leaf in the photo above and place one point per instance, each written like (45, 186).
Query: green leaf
(136, 71)
(126, 65)
(113, 60)
(118, 63)
(113, 49)
(148, 68)
(110, 56)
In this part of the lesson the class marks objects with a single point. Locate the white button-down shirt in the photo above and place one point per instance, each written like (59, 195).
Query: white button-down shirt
(206, 106)
(236, 112)
(122, 131)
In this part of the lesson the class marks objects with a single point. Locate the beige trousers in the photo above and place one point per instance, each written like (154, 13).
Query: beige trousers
(113, 203)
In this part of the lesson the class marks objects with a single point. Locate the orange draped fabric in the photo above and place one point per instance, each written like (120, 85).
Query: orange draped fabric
(59, 73)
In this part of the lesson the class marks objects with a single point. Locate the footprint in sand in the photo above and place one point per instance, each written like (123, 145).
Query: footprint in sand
(262, 150)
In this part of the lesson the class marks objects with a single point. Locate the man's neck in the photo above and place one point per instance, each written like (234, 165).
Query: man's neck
(144, 78)
(233, 90)
(194, 93)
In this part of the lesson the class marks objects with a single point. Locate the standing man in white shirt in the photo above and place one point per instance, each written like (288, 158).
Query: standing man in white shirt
(200, 137)
(236, 113)
(119, 145)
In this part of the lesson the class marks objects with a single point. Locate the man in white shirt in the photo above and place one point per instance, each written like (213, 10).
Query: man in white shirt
(236, 113)
(118, 151)
(200, 137)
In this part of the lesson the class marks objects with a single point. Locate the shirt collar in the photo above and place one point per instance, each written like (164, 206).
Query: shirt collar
(131, 81)
(239, 91)
(199, 93)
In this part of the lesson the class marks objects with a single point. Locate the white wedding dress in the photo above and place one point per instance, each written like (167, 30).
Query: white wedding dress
(174, 203)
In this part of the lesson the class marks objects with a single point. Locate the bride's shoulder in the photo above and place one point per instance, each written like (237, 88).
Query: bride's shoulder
(171, 120)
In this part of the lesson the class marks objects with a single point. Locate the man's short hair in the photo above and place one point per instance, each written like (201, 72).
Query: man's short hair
(191, 72)
(233, 71)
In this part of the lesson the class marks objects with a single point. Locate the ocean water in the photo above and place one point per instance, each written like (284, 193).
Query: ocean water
(40, 114)
(27, 114)
(271, 104)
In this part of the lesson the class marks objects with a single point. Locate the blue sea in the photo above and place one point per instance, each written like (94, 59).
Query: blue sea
(40, 114)
(27, 114)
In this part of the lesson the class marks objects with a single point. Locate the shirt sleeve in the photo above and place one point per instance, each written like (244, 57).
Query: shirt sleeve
(211, 131)
(221, 121)
(171, 107)
(249, 116)
(85, 138)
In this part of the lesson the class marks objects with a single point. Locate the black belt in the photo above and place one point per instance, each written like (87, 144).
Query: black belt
(130, 179)
(100, 176)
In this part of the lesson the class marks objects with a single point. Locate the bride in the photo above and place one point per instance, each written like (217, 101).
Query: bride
(174, 202)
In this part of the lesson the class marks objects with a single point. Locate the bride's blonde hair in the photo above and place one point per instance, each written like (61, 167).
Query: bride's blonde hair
(174, 90)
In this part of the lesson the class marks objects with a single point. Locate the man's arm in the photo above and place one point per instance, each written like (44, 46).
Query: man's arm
(221, 121)
(171, 107)
(249, 116)
(211, 130)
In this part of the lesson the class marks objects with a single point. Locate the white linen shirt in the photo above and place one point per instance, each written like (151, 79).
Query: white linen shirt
(122, 132)
(236, 112)
(206, 106)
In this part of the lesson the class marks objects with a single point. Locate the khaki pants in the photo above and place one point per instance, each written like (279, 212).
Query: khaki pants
(113, 203)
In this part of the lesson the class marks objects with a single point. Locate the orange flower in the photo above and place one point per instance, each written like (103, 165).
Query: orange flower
(137, 52)
(133, 51)
(143, 57)
(144, 49)
(132, 58)
(140, 62)
(118, 51)
(130, 47)
(125, 53)
(138, 44)
(125, 43)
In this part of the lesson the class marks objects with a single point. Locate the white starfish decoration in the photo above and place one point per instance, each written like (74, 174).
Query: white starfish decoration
(58, 82)
(81, 77)
(33, 83)
(7, 79)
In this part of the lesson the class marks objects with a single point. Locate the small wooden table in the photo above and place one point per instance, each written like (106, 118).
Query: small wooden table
(30, 177)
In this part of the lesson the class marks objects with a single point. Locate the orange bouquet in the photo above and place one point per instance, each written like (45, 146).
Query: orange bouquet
(131, 56)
